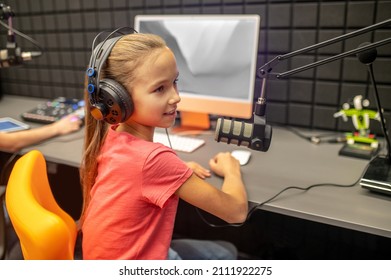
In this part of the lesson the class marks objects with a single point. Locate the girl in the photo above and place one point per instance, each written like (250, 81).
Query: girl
(131, 185)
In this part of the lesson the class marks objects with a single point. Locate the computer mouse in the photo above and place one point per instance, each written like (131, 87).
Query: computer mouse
(243, 156)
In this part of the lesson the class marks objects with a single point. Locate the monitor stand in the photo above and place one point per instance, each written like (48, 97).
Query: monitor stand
(192, 123)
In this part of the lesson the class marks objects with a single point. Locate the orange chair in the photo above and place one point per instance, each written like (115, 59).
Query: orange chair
(45, 231)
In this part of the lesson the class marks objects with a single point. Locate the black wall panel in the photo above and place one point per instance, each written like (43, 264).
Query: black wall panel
(66, 28)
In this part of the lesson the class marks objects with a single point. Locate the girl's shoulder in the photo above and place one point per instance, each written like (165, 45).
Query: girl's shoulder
(126, 144)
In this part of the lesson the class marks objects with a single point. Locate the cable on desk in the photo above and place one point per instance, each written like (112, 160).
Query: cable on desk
(336, 137)
(259, 205)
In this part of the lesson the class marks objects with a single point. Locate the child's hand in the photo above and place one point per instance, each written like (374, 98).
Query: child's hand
(224, 163)
(68, 124)
(198, 169)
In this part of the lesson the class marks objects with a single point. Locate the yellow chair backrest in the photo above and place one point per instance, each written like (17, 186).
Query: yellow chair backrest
(45, 231)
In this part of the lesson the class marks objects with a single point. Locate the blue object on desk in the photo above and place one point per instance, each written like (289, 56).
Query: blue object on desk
(11, 125)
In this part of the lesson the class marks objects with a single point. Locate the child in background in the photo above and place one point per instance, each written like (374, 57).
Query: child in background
(14, 141)
(131, 185)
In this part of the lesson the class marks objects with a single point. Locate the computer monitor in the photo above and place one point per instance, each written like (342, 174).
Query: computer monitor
(216, 57)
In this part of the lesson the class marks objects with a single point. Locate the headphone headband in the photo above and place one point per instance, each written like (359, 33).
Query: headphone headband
(98, 58)
(97, 61)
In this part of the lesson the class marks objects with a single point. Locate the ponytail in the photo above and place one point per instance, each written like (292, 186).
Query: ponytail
(95, 134)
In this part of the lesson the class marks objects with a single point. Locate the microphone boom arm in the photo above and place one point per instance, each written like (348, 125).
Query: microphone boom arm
(333, 58)
(266, 69)
(257, 136)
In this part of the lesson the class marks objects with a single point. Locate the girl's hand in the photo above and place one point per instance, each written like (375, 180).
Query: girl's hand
(198, 169)
(224, 163)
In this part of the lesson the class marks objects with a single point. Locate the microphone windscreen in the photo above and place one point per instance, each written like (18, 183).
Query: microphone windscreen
(233, 132)
(368, 56)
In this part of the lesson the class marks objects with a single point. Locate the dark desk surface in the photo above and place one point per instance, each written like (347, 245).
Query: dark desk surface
(290, 161)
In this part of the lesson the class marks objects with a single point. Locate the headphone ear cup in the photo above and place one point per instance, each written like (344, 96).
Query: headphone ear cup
(116, 101)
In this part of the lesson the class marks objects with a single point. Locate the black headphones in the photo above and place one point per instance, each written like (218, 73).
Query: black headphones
(109, 100)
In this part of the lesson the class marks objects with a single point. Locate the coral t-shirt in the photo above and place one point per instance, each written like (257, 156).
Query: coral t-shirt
(133, 206)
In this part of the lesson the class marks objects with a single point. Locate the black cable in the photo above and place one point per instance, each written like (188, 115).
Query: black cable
(382, 118)
(259, 205)
(316, 139)
(168, 138)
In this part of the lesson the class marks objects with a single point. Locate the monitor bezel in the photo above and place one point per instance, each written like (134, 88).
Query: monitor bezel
(213, 105)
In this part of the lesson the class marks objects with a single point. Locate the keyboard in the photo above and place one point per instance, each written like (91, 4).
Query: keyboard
(179, 143)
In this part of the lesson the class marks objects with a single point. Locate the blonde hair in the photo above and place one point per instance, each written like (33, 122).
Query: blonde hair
(128, 53)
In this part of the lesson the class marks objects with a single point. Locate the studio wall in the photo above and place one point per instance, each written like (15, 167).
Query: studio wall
(65, 29)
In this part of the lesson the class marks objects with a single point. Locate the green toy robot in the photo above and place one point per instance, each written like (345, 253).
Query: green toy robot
(360, 118)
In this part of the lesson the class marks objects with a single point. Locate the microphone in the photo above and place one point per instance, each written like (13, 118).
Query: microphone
(256, 136)
(16, 57)
(12, 55)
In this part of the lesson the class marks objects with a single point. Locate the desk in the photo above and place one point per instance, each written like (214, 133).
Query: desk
(63, 155)
(66, 149)
(289, 161)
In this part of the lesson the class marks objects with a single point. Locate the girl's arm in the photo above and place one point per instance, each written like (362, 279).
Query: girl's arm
(228, 203)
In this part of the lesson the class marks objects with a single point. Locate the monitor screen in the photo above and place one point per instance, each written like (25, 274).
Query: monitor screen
(216, 57)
